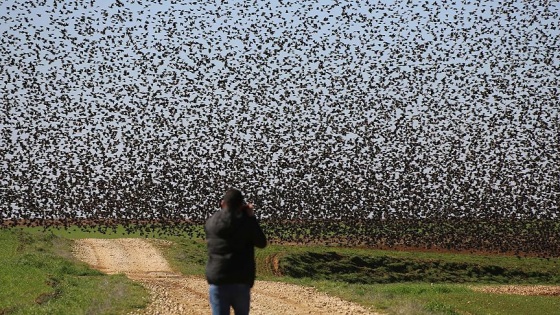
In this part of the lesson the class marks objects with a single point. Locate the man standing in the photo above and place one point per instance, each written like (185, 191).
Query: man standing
(232, 233)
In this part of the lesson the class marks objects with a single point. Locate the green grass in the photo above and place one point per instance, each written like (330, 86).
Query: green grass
(407, 297)
(448, 291)
(427, 298)
(374, 268)
(74, 232)
(39, 276)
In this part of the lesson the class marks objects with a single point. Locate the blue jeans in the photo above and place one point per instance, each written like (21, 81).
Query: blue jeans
(223, 296)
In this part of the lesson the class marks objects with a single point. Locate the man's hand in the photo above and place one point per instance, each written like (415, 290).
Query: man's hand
(249, 209)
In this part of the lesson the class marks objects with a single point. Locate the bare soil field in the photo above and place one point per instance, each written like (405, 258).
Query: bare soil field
(543, 290)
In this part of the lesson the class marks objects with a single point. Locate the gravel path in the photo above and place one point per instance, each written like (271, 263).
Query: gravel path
(543, 290)
(173, 293)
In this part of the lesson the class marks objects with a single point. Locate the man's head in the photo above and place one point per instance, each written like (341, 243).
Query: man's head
(233, 199)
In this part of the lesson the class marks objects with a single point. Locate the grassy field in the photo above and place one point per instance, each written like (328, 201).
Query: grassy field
(39, 276)
(393, 282)
(440, 283)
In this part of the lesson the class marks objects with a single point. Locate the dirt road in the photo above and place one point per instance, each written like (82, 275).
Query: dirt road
(173, 293)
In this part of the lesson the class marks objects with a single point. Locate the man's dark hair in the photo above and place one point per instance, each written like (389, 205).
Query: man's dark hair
(233, 199)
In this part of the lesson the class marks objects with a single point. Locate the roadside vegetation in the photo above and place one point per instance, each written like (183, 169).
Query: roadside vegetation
(391, 282)
(397, 282)
(38, 275)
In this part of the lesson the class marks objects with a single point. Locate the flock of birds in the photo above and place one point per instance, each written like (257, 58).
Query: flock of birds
(409, 123)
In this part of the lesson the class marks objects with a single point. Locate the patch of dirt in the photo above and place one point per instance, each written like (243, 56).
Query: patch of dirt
(273, 264)
(172, 293)
(545, 290)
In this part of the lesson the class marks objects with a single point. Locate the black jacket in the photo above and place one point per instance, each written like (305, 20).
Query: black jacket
(231, 240)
